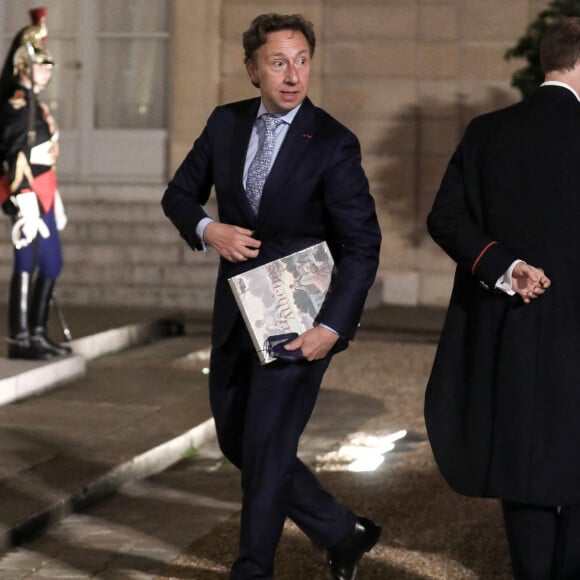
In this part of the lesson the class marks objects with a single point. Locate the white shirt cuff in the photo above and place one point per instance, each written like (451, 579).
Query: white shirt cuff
(504, 283)
(200, 229)
(327, 327)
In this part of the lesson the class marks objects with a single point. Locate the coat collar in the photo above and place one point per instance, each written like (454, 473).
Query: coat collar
(239, 146)
(563, 93)
(561, 85)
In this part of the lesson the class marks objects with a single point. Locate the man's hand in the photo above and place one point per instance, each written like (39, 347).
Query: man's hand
(232, 243)
(529, 282)
(314, 343)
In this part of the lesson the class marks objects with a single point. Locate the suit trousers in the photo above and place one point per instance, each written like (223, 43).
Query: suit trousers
(260, 413)
(544, 542)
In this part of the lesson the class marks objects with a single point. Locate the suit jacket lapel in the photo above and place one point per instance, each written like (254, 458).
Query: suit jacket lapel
(240, 141)
(293, 148)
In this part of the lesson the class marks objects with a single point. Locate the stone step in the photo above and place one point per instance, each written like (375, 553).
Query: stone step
(20, 379)
(184, 298)
(120, 249)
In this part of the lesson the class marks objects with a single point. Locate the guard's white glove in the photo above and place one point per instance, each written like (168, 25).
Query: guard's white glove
(59, 213)
(29, 223)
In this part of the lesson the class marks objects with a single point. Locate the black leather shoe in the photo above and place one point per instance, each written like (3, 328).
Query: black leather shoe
(343, 558)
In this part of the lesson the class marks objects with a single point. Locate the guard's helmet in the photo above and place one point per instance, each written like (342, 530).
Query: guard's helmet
(30, 43)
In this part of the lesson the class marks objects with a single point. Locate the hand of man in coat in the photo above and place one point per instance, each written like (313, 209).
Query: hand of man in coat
(529, 282)
(233, 243)
(314, 343)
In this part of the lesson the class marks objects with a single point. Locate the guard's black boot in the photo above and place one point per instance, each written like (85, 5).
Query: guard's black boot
(39, 318)
(20, 344)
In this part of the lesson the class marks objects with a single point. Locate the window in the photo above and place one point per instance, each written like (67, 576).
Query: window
(109, 88)
(132, 45)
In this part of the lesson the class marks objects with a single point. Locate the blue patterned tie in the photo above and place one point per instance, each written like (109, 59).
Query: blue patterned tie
(260, 166)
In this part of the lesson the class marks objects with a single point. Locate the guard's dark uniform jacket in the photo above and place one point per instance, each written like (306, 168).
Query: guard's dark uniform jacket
(28, 167)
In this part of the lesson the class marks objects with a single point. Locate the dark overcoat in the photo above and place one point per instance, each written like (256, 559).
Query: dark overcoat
(502, 404)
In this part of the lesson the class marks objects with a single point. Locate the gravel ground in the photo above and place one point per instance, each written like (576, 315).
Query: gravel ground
(429, 532)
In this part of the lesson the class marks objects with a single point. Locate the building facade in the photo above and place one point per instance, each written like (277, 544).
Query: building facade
(138, 79)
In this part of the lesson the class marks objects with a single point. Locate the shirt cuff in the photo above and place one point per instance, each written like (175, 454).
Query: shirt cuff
(504, 283)
(200, 229)
(327, 328)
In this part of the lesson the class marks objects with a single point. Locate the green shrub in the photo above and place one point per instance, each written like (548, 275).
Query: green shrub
(529, 78)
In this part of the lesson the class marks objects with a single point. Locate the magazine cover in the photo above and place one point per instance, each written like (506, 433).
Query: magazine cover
(284, 295)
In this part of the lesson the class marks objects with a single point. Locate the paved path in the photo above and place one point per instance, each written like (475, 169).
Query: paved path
(181, 521)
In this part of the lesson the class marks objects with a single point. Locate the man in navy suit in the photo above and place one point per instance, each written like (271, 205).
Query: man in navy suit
(315, 190)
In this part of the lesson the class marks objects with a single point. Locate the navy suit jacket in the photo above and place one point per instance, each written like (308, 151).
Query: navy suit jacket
(316, 190)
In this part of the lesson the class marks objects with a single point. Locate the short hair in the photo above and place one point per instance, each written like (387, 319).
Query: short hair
(560, 45)
(264, 24)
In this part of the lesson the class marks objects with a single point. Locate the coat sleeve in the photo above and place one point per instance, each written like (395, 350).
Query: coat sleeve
(456, 220)
(189, 190)
(356, 234)
(15, 147)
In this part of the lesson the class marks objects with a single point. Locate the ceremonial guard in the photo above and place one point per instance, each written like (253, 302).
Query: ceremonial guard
(29, 191)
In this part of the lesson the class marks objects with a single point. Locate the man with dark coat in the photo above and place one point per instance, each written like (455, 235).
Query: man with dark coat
(315, 190)
(502, 405)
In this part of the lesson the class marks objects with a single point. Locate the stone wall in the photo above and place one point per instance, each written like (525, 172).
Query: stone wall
(405, 75)
(119, 249)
